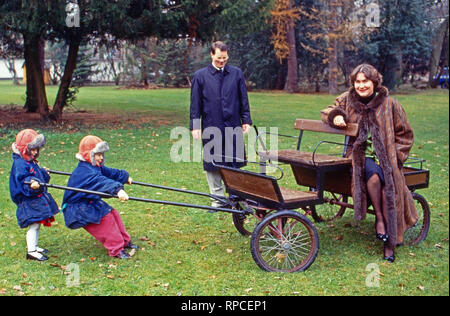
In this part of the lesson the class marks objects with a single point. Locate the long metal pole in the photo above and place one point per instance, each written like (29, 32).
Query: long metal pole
(216, 197)
(106, 195)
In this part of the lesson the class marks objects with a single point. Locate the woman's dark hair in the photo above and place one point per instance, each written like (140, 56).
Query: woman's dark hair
(370, 72)
(220, 45)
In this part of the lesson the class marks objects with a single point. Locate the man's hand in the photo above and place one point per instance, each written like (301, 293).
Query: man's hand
(246, 128)
(34, 185)
(197, 134)
(339, 121)
(130, 181)
(122, 195)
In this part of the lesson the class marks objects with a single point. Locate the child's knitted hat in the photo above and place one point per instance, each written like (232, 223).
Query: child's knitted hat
(89, 146)
(26, 140)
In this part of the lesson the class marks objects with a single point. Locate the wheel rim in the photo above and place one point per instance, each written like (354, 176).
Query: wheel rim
(419, 231)
(286, 244)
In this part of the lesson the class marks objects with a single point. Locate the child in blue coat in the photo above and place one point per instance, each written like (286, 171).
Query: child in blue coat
(35, 206)
(89, 211)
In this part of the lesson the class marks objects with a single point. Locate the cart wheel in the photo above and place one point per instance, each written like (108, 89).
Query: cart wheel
(329, 210)
(419, 231)
(245, 224)
(285, 241)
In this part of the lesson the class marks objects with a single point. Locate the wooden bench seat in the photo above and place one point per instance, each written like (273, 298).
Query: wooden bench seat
(290, 195)
(264, 189)
(291, 156)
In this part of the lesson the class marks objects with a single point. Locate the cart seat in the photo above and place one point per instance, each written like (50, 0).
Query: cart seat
(291, 156)
(292, 196)
(264, 189)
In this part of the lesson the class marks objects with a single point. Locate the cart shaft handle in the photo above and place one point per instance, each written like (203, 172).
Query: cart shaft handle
(106, 195)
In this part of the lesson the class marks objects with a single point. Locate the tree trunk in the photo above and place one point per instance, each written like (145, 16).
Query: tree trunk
(332, 49)
(436, 45)
(66, 80)
(291, 85)
(36, 96)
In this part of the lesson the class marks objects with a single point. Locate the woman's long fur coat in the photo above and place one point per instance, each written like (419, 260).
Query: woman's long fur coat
(392, 139)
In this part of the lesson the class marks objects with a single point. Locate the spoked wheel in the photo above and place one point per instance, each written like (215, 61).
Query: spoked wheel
(285, 241)
(245, 224)
(419, 231)
(329, 211)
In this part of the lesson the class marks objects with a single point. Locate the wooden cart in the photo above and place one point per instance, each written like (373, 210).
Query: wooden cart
(285, 240)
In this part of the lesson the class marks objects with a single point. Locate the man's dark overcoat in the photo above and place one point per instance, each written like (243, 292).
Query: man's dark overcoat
(219, 107)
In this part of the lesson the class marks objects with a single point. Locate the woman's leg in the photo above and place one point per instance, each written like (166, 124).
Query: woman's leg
(375, 190)
(388, 251)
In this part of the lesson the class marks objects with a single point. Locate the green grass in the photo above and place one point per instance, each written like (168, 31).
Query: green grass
(192, 252)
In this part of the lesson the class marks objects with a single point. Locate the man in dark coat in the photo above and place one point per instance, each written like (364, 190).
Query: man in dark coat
(219, 115)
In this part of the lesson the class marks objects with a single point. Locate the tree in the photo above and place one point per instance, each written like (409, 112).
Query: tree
(284, 16)
(402, 34)
(41, 20)
(439, 41)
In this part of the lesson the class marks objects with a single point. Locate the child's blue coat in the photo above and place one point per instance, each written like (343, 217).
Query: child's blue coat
(32, 205)
(81, 209)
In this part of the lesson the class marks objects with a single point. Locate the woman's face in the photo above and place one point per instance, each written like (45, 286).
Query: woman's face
(363, 85)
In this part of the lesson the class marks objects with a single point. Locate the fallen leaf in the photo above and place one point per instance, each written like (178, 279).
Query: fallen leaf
(248, 290)
(229, 250)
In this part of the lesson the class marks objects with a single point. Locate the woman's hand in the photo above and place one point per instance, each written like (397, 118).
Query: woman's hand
(339, 121)
(122, 195)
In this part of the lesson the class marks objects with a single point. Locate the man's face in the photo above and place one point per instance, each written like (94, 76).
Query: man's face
(219, 58)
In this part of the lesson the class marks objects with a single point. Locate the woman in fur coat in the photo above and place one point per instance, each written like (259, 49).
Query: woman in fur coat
(378, 153)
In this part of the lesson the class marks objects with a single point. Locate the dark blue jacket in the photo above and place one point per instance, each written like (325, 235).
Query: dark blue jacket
(32, 205)
(81, 209)
(220, 100)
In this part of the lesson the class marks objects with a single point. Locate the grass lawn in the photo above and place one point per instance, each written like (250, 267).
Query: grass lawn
(193, 252)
